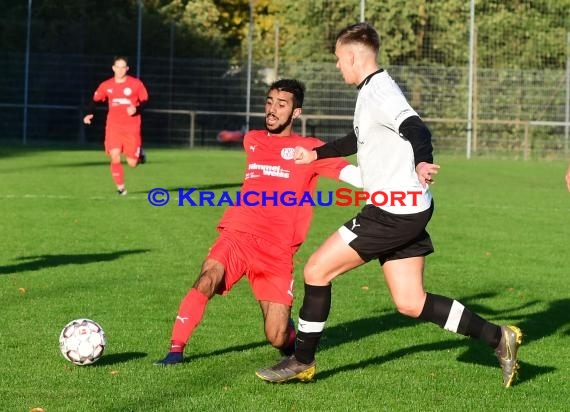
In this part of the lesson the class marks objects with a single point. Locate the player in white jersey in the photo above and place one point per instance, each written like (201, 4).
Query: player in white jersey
(394, 151)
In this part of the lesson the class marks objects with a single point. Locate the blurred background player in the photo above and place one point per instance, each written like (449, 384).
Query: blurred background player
(125, 96)
(259, 241)
(568, 178)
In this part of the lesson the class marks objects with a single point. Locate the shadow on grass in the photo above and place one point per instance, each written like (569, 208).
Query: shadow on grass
(364, 327)
(115, 358)
(97, 163)
(474, 354)
(16, 149)
(534, 326)
(539, 325)
(31, 263)
(237, 348)
(104, 162)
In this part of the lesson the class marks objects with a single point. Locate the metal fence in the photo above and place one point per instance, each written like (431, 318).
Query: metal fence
(516, 113)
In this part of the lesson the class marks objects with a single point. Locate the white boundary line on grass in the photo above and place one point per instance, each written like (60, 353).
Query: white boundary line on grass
(66, 197)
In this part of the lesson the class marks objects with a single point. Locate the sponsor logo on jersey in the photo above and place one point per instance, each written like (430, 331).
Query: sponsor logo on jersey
(270, 170)
(288, 153)
(404, 112)
(251, 175)
(121, 100)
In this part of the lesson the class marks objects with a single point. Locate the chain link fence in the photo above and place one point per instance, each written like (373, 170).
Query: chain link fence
(511, 112)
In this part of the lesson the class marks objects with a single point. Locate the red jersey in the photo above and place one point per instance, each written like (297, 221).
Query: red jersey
(120, 96)
(270, 169)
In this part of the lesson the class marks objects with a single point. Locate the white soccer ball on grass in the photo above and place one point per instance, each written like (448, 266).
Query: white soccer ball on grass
(82, 341)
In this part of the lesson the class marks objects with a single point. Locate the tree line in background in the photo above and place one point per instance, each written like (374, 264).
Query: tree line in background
(513, 34)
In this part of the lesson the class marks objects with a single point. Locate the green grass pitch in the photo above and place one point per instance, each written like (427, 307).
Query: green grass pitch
(72, 248)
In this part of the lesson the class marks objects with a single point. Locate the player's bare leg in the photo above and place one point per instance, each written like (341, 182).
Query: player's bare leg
(405, 281)
(132, 161)
(191, 310)
(404, 278)
(279, 327)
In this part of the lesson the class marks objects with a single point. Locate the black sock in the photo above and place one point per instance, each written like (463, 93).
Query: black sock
(454, 317)
(312, 318)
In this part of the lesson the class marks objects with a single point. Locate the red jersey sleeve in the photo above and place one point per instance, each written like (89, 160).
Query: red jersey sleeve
(100, 94)
(329, 167)
(142, 92)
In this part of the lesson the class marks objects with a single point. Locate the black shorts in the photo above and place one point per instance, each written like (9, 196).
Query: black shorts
(377, 234)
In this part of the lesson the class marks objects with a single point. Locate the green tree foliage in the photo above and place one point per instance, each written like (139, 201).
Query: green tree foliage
(512, 34)
(531, 31)
(193, 26)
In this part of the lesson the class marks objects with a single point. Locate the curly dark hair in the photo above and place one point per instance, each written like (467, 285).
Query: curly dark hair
(295, 87)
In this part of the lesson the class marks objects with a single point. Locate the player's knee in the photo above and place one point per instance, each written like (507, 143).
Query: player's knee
(276, 338)
(276, 342)
(211, 277)
(132, 162)
(410, 308)
(313, 274)
(207, 283)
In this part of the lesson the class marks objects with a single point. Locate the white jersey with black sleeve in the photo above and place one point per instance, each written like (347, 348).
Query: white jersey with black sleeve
(385, 158)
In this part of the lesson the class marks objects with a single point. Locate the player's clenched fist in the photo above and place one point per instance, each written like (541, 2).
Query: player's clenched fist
(87, 119)
(304, 156)
(426, 172)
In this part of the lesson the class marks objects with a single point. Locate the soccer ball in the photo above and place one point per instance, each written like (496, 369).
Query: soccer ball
(82, 341)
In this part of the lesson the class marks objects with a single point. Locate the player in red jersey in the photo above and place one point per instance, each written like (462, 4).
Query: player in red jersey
(259, 241)
(125, 96)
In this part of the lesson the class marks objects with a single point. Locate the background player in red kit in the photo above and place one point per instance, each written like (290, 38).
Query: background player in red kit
(125, 95)
(259, 241)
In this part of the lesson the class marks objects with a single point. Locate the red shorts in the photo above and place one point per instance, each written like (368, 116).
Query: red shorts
(269, 268)
(128, 140)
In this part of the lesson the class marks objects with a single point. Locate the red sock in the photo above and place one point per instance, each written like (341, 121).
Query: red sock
(292, 336)
(190, 313)
(118, 174)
